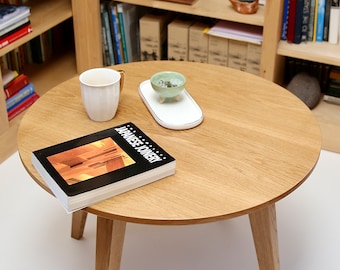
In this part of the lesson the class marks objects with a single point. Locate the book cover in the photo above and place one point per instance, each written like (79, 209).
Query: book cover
(88, 169)
(285, 20)
(22, 106)
(20, 96)
(23, 31)
(18, 13)
(16, 85)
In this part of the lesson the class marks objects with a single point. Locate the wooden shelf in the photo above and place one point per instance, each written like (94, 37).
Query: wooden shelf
(322, 52)
(65, 66)
(44, 16)
(218, 9)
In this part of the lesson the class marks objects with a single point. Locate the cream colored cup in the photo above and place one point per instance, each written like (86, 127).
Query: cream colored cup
(100, 91)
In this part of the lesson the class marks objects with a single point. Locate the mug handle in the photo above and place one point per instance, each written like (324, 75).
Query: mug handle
(122, 79)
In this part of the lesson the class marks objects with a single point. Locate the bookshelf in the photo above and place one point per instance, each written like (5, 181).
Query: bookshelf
(44, 16)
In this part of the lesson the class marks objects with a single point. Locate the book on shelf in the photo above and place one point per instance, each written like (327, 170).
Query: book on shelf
(305, 20)
(291, 20)
(23, 94)
(8, 75)
(320, 23)
(109, 39)
(21, 107)
(15, 14)
(237, 31)
(120, 13)
(311, 20)
(16, 85)
(95, 167)
(130, 21)
(328, 5)
(334, 21)
(14, 27)
(115, 31)
(21, 32)
(285, 20)
(298, 21)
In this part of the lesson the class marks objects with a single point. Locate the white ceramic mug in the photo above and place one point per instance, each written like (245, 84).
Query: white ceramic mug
(100, 91)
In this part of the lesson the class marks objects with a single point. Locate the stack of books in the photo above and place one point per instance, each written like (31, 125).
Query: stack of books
(14, 23)
(19, 92)
(332, 93)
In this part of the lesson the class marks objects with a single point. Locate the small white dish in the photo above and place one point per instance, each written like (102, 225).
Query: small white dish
(184, 113)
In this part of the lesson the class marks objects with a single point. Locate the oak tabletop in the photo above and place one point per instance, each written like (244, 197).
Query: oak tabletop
(256, 144)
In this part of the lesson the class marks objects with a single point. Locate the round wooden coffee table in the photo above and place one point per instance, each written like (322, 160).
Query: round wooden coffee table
(256, 144)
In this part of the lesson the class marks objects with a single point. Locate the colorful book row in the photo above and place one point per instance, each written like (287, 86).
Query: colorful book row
(311, 20)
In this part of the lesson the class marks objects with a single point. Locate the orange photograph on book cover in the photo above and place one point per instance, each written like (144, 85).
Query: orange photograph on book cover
(90, 160)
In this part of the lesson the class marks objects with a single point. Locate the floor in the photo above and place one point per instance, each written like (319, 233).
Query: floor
(34, 231)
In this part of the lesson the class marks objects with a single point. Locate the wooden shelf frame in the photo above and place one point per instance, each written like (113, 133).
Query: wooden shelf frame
(44, 16)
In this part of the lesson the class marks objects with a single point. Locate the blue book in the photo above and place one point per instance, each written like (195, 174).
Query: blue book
(19, 97)
(285, 20)
(320, 20)
(106, 22)
(116, 34)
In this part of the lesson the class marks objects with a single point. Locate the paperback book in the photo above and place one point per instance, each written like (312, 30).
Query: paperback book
(13, 14)
(92, 168)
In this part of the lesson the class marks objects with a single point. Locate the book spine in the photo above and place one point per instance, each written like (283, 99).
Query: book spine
(22, 106)
(20, 96)
(108, 35)
(305, 20)
(116, 36)
(285, 20)
(122, 32)
(298, 21)
(15, 36)
(326, 21)
(320, 21)
(311, 20)
(316, 7)
(334, 20)
(16, 85)
(291, 21)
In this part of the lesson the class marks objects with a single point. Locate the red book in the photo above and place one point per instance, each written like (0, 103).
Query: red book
(16, 85)
(291, 21)
(22, 106)
(15, 36)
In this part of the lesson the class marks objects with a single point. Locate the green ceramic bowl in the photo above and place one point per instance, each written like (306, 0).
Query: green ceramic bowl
(168, 84)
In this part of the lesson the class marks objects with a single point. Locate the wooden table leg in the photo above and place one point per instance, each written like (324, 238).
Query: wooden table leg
(109, 246)
(264, 228)
(78, 224)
